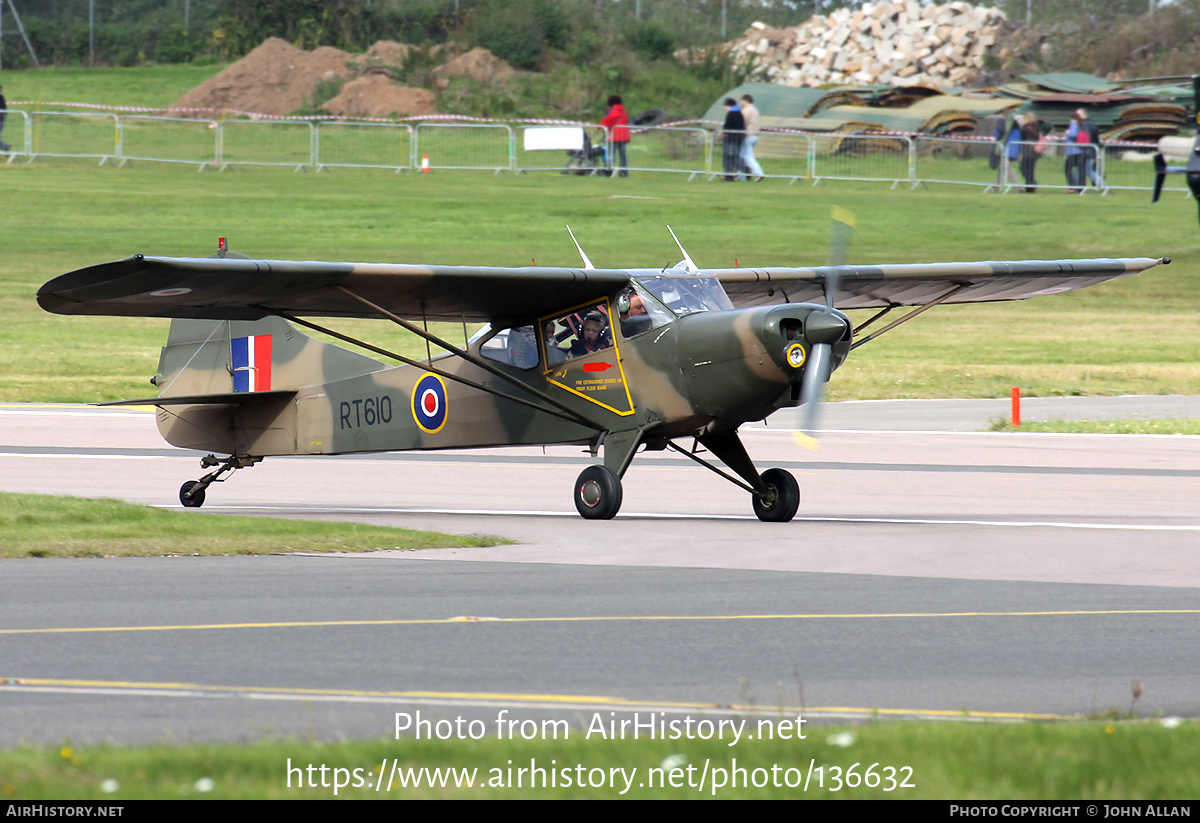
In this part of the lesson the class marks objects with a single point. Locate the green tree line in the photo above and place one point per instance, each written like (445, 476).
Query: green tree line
(131, 32)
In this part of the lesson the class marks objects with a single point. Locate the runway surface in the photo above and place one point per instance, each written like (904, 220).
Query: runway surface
(928, 574)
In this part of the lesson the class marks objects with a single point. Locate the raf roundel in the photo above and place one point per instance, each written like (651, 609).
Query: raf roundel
(429, 403)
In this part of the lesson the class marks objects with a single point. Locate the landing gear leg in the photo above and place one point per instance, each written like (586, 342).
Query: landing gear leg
(191, 493)
(776, 495)
(598, 490)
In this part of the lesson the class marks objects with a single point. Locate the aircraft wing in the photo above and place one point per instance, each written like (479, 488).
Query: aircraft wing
(232, 288)
(915, 284)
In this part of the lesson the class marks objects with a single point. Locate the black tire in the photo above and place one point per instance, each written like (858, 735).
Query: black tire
(598, 493)
(190, 496)
(785, 497)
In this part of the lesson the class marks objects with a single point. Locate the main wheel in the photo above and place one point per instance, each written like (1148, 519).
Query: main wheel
(190, 496)
(783, 497)
(598, 493)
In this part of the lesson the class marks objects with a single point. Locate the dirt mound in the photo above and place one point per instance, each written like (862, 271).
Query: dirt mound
(478, 64)
(387, 53)
(276, 78)
(376, 96)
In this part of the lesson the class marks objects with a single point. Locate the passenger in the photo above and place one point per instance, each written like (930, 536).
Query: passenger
(554, 354)
(591, 337)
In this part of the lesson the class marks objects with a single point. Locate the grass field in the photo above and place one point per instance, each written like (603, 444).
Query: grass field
(34, 525)
(141, 86)
(1138, 335)
(962, 761)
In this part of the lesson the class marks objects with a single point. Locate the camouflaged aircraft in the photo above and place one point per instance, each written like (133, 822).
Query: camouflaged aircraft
(614, 359)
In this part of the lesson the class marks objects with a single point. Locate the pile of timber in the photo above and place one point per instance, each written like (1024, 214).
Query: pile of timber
(897, 43)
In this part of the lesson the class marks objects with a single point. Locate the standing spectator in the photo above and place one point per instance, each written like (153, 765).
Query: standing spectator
(1074, 165)
(1089, 133)
(1030, 135)
(3, 114)
(617, 123)
(1008, 148)
(732, 137)
(749, 161)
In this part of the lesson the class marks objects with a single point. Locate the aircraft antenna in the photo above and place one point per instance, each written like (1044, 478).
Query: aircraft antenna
(687, 260)
(587, 264)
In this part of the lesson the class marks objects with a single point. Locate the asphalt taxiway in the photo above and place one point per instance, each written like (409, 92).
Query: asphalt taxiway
(928, 574)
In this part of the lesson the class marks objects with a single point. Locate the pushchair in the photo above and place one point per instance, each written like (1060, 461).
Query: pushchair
(588, 160)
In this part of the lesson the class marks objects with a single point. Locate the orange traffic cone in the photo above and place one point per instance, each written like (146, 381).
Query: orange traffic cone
(424, 164)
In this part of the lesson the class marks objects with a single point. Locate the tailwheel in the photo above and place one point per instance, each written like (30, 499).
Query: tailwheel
(598, 493)
(191, 494)
(782, 497)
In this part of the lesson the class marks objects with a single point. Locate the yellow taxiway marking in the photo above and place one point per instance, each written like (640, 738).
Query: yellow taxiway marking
(531, 700)
(596, 619)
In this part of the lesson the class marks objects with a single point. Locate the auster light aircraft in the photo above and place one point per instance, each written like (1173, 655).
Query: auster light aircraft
(613, 359)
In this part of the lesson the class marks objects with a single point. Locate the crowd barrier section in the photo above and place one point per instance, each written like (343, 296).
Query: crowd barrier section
(953, 160)
(74, 134)
(484, 146)
(16, 134)
(498, 147)
(169, 140)
(350, 144)
(785, 155)
(678, 149)
(1131, 166)
(884, 158)
(266, 143)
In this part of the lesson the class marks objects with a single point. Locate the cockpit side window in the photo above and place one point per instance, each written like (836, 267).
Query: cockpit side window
(515, 346)
(579, 333)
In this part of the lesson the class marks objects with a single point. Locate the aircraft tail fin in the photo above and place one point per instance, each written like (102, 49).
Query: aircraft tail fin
(236, 360)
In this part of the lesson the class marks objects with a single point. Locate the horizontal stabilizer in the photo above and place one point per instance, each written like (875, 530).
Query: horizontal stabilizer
(232, 398)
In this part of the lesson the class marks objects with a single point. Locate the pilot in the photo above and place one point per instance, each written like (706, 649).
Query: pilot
(591, 337)
(635, 319)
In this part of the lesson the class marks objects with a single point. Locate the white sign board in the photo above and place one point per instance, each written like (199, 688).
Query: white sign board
(554, 138)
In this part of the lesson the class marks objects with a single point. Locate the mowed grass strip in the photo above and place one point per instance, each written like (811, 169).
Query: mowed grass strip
(1180, 425)
(1133, 336)
(34, 525)
(1149, 760)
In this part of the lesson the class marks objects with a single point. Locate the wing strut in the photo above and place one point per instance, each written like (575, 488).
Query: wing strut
(908, 316)
(428, 337)
(571, 416)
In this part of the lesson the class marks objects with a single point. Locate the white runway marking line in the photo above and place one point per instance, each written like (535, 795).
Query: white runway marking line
(662, 516)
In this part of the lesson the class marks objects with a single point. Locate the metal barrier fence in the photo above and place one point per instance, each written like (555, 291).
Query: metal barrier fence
(486, 146)
(72, 134)
(1131, 165)
(862, 157)
(786, 155)
(169, 140)
(363, 145)
(583, 149)
(16, 127)
(266, 143)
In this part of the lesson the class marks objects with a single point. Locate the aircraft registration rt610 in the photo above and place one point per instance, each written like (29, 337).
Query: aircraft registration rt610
(614, 359)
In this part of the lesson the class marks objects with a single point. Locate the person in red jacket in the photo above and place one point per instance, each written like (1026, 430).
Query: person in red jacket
(617, 123)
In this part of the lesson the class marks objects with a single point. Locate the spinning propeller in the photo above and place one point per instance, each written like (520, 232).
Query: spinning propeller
(823, 329)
